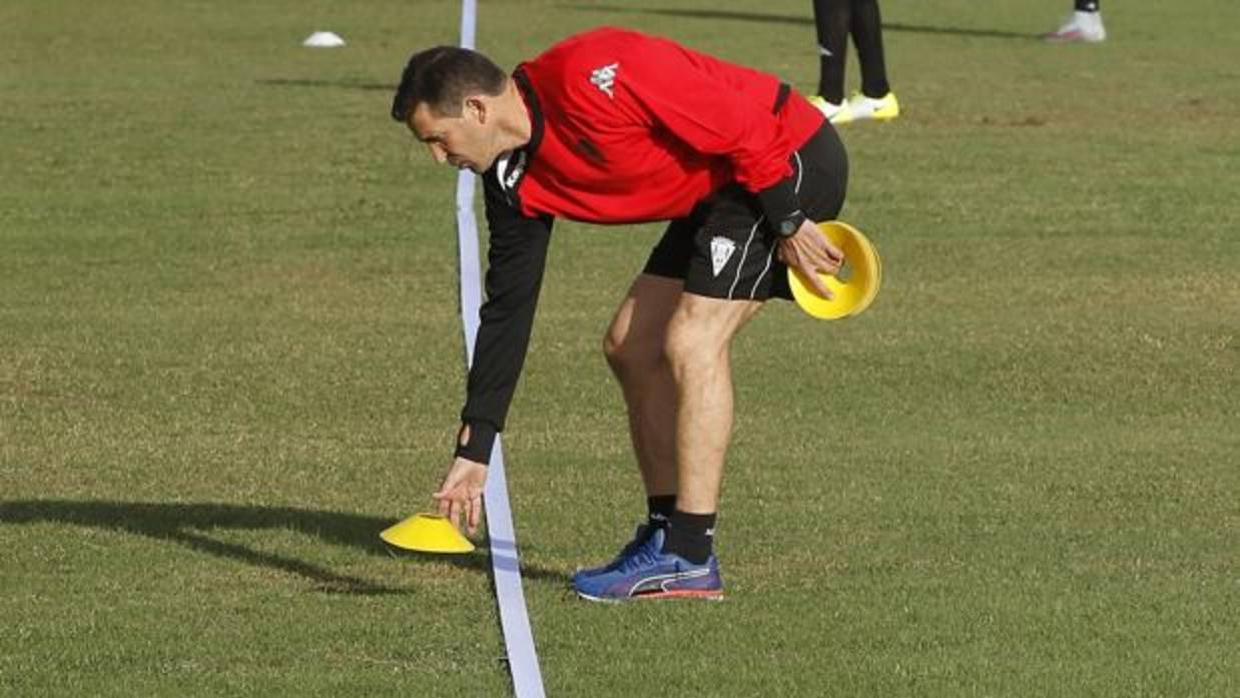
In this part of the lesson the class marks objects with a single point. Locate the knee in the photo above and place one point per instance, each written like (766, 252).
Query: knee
(627, 354)
(612, 345)
(688, 351)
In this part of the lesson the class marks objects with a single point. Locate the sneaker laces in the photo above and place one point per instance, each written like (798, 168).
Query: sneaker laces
(645, 556)
(643, 533)
(640, 536)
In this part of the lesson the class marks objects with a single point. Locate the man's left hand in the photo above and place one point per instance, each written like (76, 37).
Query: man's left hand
(810, 253)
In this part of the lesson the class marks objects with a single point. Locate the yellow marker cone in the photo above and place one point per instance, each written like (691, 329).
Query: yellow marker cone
(852, 296)
(427, 533)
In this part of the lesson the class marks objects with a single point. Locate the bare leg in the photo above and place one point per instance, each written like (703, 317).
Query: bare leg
(699, 338)
(634, 347)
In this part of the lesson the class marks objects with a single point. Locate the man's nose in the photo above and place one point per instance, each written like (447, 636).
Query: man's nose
(437, 152)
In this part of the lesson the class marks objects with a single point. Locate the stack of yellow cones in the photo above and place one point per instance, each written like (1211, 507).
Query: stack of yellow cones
(851, 296)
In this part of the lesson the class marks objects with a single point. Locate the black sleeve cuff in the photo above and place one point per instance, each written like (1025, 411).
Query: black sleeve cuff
(780, 204)
(481, 441)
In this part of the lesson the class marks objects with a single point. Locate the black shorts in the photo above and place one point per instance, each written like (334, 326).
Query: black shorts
(724, 247)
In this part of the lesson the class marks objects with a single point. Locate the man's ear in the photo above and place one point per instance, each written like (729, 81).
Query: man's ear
(477, 107)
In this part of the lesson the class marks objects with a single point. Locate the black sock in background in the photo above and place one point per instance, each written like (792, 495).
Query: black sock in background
(691, 536)
(867, 34)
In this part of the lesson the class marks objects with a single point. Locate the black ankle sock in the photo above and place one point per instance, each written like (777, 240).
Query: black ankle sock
(659, 509)
(690, 536)
(1087, 5)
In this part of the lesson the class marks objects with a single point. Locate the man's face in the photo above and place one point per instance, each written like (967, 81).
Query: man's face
(465, 141)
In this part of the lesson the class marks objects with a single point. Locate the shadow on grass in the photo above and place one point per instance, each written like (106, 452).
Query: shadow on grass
(338, 84)
(806, 19)
(190, 525)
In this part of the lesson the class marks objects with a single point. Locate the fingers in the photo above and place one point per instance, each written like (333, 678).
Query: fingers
(449, 505)
(812, 255)
(459, 498)
(454, 514)
(830, 261)
(821, 253)
(475, 511)
(460, 507)
(817, 282)
(835, 253)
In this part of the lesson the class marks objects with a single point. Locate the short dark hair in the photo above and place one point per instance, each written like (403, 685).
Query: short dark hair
(441, 77)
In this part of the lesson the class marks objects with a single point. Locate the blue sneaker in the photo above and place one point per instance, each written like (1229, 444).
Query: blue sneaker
(640, 536)
(650, 573)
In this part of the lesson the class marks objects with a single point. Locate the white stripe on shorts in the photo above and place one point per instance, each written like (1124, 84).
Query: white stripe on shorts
(745, 253)
(754, 291)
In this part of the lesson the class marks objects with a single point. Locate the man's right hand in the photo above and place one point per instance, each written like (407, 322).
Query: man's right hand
(460, 494)
(810, 253)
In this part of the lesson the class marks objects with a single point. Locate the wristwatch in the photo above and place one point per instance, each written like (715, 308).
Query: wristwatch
(790, 225)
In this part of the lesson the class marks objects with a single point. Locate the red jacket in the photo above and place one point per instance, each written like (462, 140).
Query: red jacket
(630, 127)
(626, 127)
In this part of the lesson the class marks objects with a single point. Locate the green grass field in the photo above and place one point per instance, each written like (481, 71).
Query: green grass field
(230, 355)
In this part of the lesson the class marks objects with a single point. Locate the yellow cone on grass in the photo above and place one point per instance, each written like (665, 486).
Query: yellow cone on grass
(426, 533)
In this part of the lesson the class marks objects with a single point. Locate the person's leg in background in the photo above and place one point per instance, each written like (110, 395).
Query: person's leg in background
(1083, 25)
(876, 100)
(867, 33)
(831, 22)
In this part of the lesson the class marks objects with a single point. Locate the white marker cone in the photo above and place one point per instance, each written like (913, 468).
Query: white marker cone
(323, 40)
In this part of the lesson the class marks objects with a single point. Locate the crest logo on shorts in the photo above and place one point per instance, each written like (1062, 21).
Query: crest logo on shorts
(721, 250)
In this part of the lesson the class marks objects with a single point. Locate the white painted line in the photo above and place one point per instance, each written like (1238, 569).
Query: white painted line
(505, 562)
